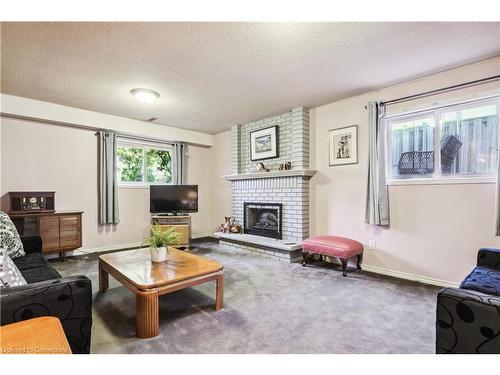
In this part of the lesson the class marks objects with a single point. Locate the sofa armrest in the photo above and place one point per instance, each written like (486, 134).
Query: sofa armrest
(32, 244)
(69, 299)
(489, 258)
(467, 322)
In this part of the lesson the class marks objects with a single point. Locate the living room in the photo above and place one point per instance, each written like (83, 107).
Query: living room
(218, 199)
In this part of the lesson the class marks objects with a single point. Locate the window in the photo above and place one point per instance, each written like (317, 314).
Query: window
(143, 164)
(459, 140)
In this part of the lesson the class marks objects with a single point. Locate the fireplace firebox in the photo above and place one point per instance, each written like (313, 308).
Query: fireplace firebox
(263, 219)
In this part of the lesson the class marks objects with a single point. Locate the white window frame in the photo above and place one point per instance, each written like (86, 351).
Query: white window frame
(438, 178)
(144, 145)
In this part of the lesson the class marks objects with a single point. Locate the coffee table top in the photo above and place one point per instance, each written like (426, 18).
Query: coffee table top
(137, 268)
(43, 335)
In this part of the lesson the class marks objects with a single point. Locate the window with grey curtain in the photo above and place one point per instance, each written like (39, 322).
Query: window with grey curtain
(108, 190)
(180, 160)
(377, 197)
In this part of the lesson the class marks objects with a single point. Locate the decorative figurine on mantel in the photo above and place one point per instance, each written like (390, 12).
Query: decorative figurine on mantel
(261, 167)
(286, 166)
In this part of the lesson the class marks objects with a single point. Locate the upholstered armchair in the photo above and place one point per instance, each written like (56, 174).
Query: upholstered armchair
(468, 318)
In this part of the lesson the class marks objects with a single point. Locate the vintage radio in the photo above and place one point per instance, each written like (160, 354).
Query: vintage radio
(31, 201)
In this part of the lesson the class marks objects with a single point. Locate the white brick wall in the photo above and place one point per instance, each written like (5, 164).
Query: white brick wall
(293, 141)
(292, 192)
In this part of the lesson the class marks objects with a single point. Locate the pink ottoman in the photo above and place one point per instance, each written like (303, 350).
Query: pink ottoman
(334, 246)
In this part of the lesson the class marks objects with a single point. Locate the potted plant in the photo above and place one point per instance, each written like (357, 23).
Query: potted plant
(159, 241)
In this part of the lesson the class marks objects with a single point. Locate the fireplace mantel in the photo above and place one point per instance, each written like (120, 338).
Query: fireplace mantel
(273, 174)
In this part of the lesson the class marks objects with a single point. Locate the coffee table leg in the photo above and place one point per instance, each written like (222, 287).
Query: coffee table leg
(103, 280)
(219, 292)
(147, 314)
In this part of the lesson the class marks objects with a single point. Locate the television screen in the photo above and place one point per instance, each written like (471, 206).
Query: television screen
(173, 198)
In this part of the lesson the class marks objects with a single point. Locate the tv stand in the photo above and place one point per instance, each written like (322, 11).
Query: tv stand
(181, 224)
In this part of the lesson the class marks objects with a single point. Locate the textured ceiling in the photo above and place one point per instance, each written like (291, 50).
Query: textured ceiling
(213, 75)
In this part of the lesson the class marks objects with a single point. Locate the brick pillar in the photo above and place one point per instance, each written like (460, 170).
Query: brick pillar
(235, 149)
(300, 138)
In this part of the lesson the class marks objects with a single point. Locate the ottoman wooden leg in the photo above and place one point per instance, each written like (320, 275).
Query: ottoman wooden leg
(147, 319)
(304, 257)
(358, 263)
(344, 266)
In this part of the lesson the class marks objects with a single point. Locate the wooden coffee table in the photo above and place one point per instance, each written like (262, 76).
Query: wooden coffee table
(148, 280)
(43, 335)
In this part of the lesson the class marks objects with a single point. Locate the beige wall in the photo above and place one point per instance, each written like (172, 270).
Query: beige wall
(435, 229)
(220, 188)
(40, 156)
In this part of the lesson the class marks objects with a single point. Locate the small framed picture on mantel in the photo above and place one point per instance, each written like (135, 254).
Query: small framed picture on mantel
(264, 143)
(343, 148)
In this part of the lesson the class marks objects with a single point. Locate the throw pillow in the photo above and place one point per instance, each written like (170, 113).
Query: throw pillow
(9, 238)
(9, 274)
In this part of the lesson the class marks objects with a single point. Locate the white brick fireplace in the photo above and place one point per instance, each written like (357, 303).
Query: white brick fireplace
(289, 188)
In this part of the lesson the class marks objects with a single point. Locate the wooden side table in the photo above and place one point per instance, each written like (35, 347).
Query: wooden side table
(44, 335)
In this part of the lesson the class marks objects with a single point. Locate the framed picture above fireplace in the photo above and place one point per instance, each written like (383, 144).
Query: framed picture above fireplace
(264, 143)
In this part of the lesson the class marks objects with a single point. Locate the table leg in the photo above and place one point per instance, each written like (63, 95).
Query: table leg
(147, 314)
(219, 292)
(103, 280)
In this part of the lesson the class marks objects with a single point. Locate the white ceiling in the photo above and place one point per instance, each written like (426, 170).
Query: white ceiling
(213, 75)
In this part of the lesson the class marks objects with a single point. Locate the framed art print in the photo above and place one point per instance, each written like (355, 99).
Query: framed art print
(264, 143)
(343, 148)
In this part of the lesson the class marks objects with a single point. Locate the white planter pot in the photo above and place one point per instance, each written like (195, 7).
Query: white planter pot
(158, 254)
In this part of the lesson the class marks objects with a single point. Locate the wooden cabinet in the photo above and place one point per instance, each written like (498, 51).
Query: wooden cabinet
(61, 231)
(181, 224)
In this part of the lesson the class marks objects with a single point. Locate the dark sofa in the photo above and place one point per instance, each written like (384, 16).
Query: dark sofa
(468, 318)
(47, 294)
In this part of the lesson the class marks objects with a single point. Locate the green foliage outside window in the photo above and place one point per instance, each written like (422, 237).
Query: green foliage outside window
(130, 163)
(156, 168)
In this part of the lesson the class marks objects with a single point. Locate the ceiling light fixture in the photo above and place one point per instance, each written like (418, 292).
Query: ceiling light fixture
(145, 95)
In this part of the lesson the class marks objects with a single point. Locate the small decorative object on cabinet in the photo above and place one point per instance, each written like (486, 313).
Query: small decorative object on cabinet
(181, 224)
(343, 146)
(61, 231)
(288, 165)
(264, 143)
(31, 201)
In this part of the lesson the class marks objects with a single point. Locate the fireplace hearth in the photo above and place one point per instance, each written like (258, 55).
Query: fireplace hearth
(263, 219)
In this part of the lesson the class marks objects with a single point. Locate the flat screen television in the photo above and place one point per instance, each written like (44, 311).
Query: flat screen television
(165, 199)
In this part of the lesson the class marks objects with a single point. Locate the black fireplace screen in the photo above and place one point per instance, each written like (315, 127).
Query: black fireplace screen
(262, 219)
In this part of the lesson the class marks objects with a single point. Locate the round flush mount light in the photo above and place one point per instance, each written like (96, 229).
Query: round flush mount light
(145, 95)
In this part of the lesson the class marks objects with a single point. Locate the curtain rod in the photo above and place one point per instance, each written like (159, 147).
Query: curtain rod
(138, 138)
(441, 90)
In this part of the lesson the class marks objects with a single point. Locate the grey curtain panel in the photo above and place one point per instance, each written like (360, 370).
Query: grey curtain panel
(377, 197)
(181, 156)
(108, 190)
(497, 203)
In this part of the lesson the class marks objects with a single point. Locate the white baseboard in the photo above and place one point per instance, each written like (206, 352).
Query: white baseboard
(409, 276)
(123, 246)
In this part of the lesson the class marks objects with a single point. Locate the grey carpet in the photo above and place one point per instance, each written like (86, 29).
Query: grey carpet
(269, 307)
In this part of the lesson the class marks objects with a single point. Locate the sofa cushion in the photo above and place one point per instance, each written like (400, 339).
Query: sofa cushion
(9, 238)
(28, 261)
(485, 280)
(10, 276)
(34, 275)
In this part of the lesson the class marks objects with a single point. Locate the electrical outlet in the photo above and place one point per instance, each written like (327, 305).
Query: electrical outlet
(372, 244)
